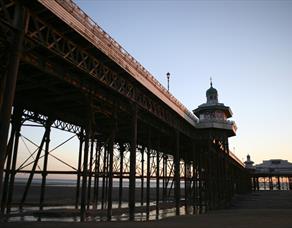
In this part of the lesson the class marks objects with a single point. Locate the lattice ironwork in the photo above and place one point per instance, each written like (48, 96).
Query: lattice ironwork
(39, 118)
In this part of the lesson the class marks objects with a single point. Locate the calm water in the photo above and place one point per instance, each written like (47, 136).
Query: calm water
(31, 214)
(70, 214)
(72, 182)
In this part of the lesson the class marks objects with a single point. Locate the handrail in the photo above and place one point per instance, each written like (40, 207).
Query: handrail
(236, 158)
(109, 46)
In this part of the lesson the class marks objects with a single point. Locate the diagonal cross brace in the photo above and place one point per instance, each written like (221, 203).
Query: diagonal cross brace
(46, 135)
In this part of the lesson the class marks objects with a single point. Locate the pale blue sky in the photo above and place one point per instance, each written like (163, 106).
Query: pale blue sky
(246, 46)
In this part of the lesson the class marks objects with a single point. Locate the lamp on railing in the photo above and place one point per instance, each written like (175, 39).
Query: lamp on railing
(168, 75)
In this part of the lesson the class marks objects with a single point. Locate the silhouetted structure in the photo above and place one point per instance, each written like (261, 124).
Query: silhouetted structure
(60, 70)
(274, 174)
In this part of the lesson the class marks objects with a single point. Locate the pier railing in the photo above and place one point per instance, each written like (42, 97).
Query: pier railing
(84, 25)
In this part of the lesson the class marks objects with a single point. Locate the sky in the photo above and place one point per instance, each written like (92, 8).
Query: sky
(245, 46)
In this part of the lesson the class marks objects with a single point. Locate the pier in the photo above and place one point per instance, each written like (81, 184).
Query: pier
(61, 70)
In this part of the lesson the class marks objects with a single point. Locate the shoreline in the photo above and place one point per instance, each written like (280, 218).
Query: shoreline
(65, 195)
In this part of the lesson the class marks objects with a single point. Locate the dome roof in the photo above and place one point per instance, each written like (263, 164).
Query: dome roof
(212, 95)
(211, 91)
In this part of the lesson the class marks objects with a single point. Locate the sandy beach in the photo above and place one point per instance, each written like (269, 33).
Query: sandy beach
(65, 195)
(267, 209)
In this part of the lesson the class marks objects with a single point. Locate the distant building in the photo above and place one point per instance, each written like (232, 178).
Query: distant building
(271, 167)
(248, 163)
(274, 166)
(274, 174)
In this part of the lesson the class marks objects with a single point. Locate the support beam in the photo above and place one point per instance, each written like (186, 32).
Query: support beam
(97, 173)
(148, 174)
(84, 176)
(110, 173)
(177, 173)
(10, 82)
(121, 174)
(45, 166)
(164, 173)
(81, 140)
(10, 175)
(132, 182)
(202, 183)
(8, 169)
(90, 172)
(142, 175)
(157, 180)
(104, 170)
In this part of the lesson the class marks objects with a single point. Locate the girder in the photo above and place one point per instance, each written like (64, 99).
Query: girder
(38, 118)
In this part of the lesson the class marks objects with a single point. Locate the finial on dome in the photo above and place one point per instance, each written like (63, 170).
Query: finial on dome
(211, 84)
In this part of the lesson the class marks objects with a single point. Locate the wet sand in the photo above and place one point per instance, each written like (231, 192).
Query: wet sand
(62, 195)
(264, 209)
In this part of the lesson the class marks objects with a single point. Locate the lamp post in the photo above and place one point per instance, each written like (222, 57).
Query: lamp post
(168, 75)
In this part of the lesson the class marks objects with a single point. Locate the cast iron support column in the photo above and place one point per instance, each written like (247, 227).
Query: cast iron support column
(84, 175)
(187, 176)
(164, 171)
(15, 134)
(8, 166)
(8, 171)
(208, 176)
(132, 182)
(10, 84)
(201, 180)
(177, 174)
(110, 173)
(142, 175)
(194, 200)
(157, 181)
(104, 170)
(81, 140)
(96, 172)
(45, 165)
(148, 174)
(121, 174)
(90, 172)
